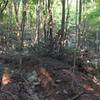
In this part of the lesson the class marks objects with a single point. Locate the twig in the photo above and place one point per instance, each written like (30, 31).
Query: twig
(76, 96)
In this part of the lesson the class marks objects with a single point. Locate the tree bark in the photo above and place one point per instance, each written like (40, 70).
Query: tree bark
(79, 32)
(63, 18)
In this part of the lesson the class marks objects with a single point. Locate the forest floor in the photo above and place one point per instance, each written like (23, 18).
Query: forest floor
(45, 78)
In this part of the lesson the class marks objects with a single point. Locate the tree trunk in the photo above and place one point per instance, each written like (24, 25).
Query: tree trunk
(50, 25)
(61, 36)
(79, 32)
(63, 18)
(16, 9)
(80, 11)
(68, 14)
(22, 29)
(37, 38)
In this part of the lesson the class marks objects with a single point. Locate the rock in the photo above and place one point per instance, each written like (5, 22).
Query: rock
(33, 78)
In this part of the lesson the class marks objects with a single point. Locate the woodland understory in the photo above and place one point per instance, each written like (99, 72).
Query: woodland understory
(49, 50)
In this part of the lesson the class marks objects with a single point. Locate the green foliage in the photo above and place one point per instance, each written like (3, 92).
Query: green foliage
(3, 17)
(93, 13)
(34, 1)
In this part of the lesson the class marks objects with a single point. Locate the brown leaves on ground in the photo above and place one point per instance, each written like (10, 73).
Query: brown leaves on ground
(54, 84)
(45, 79)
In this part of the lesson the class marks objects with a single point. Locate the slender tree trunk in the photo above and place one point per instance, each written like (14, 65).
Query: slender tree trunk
(63, 18)
(45, 20)
(45, 32)
(37, 38)
(24, 8)
(97, 42)
(51, 30)
(23, 27)
(74, 58)
(10, 25)
(61, 36)
(68, 15)
(79, 32)
(16, 9)
(80, 10)
(76, 23)
(50, 25)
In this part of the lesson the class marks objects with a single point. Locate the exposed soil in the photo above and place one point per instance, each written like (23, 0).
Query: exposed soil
(48, 79)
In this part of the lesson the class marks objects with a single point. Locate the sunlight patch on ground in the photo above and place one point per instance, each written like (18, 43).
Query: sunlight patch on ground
(88, 87)
(96, 81)
(6, 77)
